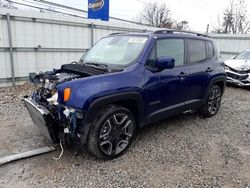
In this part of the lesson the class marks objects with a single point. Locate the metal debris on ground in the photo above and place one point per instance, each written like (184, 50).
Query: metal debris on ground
(26, 154)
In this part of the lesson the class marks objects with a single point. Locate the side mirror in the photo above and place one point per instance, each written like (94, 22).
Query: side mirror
(165, 62)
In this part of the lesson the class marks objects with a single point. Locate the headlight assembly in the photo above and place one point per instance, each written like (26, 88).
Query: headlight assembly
(226, 67)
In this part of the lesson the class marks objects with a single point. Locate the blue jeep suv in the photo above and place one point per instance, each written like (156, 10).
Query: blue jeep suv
(125, 82)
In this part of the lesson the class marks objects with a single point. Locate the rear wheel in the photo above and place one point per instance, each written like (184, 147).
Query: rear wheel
(112, 132)
(213, 102)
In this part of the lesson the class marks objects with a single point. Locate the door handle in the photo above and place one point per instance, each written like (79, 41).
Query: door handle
(209, 69)
(182, 74)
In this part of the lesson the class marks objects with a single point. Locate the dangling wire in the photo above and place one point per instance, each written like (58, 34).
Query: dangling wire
(58, 158)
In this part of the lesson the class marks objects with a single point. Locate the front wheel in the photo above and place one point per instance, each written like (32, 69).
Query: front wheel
(212, 103)
(111, 132)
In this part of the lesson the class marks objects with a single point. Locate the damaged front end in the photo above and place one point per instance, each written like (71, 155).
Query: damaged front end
(238, 69)
(55, 120)
(240, 77)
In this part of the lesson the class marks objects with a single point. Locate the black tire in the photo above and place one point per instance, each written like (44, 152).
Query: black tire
(212, 103)
(111, 132)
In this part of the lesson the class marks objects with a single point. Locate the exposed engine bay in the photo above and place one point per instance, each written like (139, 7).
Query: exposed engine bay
(58, 122)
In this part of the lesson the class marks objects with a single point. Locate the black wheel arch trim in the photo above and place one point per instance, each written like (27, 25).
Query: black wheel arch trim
(212, 83)
(106, 100)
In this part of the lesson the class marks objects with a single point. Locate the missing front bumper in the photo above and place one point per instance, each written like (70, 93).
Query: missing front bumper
(41, 117)
(238, 79)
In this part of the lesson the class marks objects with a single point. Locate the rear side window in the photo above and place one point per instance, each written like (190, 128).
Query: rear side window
(210, 50)
(197, 50)
(173, 48)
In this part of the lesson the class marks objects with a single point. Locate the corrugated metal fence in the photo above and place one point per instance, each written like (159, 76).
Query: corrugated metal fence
(231, 45)
(31, 42)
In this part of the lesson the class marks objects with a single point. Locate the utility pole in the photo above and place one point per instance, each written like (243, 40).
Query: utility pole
(207, 29)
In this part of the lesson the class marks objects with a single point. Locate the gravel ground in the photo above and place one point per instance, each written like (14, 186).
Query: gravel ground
(185, 151)
(17, 132)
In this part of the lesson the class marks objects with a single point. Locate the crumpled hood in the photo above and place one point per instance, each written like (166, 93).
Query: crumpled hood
(238, 64)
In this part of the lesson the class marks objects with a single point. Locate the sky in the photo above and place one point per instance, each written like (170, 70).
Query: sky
(198, 13)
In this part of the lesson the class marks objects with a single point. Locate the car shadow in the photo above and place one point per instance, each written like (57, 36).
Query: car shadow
(247, 88)
(154, 129)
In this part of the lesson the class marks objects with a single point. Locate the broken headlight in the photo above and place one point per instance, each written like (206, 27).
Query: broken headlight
(226, 67)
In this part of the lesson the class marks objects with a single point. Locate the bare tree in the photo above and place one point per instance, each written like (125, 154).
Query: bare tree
(218, 29)
(157, 15)
(235, 19)
(242, 23)
(182, 25)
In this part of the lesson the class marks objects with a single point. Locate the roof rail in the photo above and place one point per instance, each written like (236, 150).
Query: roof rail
(117, 33)
(172, 31)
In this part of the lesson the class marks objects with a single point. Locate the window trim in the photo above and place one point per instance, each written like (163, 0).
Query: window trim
(207, 51)
(147, 66)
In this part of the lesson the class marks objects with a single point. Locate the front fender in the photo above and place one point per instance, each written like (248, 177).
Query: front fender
(103, 101)
(86, 90)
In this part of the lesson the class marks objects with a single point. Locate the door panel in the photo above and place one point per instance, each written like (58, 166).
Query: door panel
(197, 81)
(173, 89)
(173, 78)
(164, 94)
(152, 89)
(165, 88)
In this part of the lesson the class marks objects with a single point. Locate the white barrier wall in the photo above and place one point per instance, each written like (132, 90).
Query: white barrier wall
(231, 45)
(42, 41)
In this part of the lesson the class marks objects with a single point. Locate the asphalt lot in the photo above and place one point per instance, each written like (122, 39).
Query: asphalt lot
(185, 151)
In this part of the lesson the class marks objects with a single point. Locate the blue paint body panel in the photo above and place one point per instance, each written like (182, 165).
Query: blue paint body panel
(158, 89)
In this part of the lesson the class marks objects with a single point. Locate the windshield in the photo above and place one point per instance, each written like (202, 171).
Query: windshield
(116, 50)
(243, 55)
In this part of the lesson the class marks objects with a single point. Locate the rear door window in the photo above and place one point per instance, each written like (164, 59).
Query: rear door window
(196, 50)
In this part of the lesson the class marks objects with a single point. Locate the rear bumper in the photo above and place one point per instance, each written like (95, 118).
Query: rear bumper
(238, 78)
(41, 117)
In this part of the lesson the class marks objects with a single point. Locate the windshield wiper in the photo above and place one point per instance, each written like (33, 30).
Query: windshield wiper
(99, 65)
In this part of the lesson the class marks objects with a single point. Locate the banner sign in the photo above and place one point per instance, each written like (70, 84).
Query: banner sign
(98, 9)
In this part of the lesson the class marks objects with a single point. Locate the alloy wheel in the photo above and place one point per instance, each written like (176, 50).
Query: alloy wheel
(116, 134)
(214, 101)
